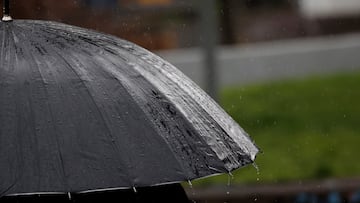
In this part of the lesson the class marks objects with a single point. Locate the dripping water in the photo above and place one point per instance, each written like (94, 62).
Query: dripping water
(134, 189)
(190, 184)
(257, 171)
(230, 178)
(257, 177)
(229, 181)
(192, 190)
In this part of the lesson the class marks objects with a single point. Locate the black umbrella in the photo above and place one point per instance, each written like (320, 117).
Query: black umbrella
(82, 111)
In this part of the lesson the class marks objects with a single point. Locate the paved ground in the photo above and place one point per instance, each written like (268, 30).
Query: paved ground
(273, 60)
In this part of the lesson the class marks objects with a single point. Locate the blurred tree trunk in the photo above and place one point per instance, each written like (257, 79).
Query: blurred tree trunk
(209, 24)
(226, 22)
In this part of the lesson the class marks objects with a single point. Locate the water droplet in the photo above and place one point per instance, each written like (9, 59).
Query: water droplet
(257, 168)
(134, 189)
(191, 187)
(127, 46)
(257, 171)
(190, 184)
(230, 178)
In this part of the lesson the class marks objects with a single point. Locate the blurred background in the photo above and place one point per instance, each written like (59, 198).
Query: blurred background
(288, 71)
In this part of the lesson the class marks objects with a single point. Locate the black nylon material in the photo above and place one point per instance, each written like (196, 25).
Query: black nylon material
(80, 110)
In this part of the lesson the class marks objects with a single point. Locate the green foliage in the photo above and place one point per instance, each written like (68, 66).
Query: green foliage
(307, 129)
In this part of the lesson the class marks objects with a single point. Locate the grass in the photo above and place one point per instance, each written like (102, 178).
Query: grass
(307, 129)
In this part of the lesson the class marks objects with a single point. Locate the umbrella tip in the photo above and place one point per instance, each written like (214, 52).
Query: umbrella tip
(6, 11)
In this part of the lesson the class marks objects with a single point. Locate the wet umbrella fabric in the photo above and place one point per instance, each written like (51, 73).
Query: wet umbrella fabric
(82, 111)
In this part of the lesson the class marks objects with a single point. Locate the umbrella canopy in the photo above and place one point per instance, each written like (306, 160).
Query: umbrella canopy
(84, 111)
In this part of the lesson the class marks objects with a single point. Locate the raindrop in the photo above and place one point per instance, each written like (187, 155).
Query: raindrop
(134, 189)
(69, 195)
